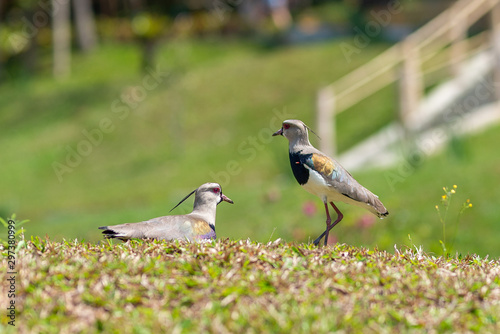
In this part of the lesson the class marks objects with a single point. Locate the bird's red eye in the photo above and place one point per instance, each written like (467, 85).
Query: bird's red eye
(216, 190)
(286, 126)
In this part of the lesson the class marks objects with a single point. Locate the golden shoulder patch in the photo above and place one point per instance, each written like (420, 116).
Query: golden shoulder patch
(200, 227)
(323, 164)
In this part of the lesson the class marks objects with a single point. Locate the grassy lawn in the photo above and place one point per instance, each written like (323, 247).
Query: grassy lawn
(209, 118)
(247, 287)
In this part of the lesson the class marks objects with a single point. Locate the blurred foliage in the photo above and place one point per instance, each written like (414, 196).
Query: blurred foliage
(25, 27)
(148, 25)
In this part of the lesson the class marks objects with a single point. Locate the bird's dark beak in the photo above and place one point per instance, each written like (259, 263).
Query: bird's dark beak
(226, 199)
(278, 133)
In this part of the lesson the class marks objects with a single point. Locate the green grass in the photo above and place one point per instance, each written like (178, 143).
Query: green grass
(218, 99)
(248, 287)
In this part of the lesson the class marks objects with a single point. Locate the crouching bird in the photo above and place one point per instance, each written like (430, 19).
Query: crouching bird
(197, 225)
(324, 177)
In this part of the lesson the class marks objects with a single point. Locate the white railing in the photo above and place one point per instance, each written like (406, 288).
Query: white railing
(414, 63)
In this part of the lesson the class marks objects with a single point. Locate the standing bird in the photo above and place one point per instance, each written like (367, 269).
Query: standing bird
(197, 225)
(324, 177)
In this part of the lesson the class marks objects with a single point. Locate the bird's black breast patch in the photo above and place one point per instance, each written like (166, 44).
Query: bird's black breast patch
(299, 171)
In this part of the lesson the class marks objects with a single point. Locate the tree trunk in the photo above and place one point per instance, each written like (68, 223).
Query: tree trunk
(148, 53)
(85, 24)
(61, 34)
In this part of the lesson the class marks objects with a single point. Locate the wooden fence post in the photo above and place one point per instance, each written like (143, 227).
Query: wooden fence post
(458, 36)
(410, 82)
(495, 40)
(325, 120)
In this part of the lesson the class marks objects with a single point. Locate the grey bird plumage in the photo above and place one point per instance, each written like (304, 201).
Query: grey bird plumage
(324, 177)
(197, 225)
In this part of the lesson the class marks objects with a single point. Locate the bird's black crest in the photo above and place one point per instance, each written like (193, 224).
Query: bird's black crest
(185, 198)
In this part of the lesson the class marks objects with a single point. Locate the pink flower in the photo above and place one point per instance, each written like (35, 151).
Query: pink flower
(366, 221)
(309, 208)
(332, 239)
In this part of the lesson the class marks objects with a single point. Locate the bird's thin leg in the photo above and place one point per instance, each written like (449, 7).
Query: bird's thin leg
(328, 221)
(329, 227)
(316, 242)
(339, 218)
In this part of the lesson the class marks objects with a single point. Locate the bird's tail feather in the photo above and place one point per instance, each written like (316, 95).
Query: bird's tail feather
(111, 234)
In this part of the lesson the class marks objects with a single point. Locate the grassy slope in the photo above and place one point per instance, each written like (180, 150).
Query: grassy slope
(246, 287)
(217, 97)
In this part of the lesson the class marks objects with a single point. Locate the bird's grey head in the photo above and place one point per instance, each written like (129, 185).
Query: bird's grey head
(210, 193)
(295, 131)
(207, 194)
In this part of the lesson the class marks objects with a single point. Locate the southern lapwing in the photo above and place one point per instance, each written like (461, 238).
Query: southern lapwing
(324, 177)
(197, 225)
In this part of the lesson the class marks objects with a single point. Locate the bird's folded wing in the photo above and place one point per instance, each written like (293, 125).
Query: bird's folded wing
(168, 227)
(341, 180)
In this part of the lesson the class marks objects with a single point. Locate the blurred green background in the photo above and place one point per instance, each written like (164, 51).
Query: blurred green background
(174, 95)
